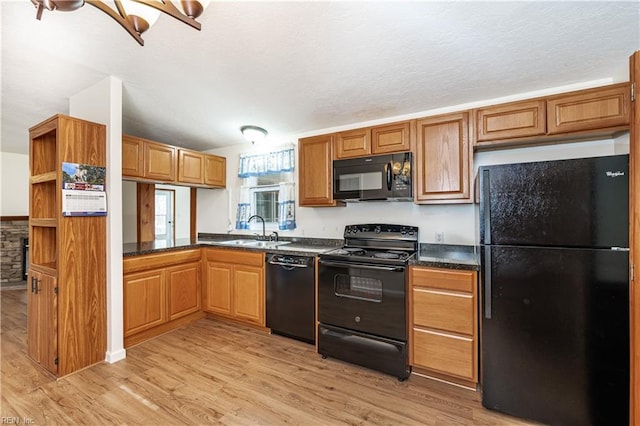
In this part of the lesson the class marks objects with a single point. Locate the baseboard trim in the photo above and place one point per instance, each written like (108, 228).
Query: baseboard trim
(115, 356)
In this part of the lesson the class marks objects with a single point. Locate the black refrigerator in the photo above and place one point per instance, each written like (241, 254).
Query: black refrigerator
(554, 241)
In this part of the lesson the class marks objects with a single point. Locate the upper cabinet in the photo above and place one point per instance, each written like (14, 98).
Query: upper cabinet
(132, 156)
(602, 111)
(394, 137)
(159, 161)
(215, 171)
(598, 108)
(315, 162)
(149, 161)
(443, 160)
(513, 120)
(190, 166)
(353, 143)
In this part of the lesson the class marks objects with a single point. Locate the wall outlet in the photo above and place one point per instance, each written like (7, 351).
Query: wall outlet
(439, 237)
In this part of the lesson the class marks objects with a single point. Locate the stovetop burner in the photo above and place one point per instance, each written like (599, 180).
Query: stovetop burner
(377, 243)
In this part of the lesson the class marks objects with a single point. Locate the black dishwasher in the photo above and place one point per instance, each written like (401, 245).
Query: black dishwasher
(291, 301)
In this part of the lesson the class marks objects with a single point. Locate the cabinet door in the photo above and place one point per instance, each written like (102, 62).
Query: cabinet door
(353, 143)
(394, 137)
(190, 166)
(42, 320)
(444, 159)
(159, 161)
(132, 157)
(589, 109)
(215, 171)
(218, 293)
(316, 171)
(513, 120)
(248, 294)
(145, 303)
(183, 282)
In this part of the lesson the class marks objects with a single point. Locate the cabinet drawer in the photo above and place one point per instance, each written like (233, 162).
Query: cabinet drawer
(445, 353)
(444, 311)
(236, 257)
(443, 279)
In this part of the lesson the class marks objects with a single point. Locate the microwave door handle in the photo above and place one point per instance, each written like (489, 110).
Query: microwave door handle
(389, 168)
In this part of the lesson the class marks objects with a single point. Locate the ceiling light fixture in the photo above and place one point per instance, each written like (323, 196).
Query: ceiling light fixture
(254, 133)
(135, 16)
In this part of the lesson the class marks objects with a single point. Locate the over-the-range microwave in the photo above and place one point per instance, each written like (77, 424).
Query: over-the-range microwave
(378, 177)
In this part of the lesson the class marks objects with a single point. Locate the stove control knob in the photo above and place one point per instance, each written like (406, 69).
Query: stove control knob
(377, 230)
(411, 232)
(357, 319)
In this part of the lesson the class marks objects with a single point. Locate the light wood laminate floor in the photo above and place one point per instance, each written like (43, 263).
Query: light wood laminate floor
(213, 372)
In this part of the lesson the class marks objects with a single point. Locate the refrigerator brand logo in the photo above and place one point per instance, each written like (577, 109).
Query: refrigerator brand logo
(615, 174)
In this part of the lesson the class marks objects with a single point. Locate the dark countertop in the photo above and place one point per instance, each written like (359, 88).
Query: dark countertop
(296, 246)
(433, 255)
(448, 256)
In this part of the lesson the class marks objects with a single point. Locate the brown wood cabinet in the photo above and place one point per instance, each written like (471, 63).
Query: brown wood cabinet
(384, 139)
(393, 137)
(215, 171)
(132, 156)
(353, 143)
(159, 162)
(315, 175)
(235, 285)
(66, 319)
(513, 120)
(598, 108)
(444, 160)
(190, 166)
(444, 324)
(162, 291)
(148, 161)
(42, 317)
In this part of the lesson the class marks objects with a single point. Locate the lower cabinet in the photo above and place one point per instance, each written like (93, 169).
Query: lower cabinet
(161, 292)
(42, 311)
(444, 325)
(235, 285)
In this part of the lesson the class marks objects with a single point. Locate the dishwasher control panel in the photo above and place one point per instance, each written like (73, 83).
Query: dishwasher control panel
(287, 260)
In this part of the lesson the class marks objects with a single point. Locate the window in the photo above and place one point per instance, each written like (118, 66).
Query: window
(267, 190)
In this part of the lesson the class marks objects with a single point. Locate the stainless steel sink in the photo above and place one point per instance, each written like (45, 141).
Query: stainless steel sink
(254, 243)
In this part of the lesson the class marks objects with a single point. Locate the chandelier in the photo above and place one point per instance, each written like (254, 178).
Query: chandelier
(135, 16)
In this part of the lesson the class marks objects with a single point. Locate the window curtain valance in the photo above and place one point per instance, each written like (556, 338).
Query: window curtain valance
(278, 160)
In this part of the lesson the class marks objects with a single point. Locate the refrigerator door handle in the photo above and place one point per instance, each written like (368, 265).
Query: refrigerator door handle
(487, 282)
(486, 197)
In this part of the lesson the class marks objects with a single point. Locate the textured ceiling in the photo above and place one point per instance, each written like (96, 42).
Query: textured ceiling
(296, 67)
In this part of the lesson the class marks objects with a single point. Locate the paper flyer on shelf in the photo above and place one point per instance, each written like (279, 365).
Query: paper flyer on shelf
(83, 190)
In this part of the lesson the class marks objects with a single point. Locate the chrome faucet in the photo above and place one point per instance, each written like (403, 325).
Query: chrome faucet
(264, 237)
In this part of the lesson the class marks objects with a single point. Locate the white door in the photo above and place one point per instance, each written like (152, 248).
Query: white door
(164, 228)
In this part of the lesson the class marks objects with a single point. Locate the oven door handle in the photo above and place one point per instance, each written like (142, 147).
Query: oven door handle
(361, 266)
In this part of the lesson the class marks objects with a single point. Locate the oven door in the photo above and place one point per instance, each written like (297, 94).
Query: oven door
(363, 297)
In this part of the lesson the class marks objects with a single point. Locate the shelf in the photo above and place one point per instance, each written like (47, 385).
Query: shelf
(44, 222)
(43, 200)
(43, 177)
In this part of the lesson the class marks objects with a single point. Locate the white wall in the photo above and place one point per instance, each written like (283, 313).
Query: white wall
(14, 184)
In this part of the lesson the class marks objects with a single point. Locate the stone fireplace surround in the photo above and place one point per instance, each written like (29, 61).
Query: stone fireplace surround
(12, 232)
